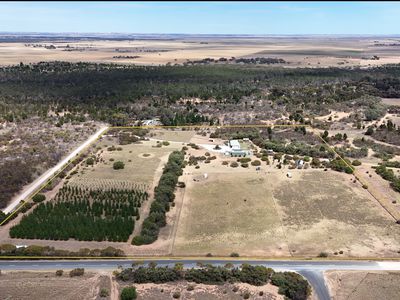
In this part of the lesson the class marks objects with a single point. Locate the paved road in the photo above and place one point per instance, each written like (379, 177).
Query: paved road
(312, 270)
(44, 177)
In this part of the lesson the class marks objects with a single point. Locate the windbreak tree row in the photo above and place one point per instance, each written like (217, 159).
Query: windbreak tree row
(83, 214)
(163, 196)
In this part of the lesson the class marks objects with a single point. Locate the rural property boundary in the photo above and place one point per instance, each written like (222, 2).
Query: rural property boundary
(377, 195)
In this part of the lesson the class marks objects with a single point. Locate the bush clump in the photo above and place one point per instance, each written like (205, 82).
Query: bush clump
(77, 272)
(129, 293)
(234, 164)
(104, 293)
(118, 165)
(38, 198)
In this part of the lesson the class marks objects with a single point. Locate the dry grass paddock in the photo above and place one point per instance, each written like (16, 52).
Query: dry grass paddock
(298, 51)
(173, 135)
(265, 213)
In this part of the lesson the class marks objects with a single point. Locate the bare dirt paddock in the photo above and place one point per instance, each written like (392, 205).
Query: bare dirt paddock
(265, 213)
(360, 285)
(313, 51)
(46, 285)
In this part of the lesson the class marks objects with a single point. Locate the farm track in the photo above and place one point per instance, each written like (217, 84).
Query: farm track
(147, 204)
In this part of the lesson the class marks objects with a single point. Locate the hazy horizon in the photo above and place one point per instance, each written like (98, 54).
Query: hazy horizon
(198, 18)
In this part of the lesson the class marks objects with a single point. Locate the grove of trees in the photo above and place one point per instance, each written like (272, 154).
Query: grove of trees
(83, 214)
(290, 284)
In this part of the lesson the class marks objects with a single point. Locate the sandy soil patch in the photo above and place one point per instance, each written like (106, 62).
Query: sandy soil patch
(391, 101)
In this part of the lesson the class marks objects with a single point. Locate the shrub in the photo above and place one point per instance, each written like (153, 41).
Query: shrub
(181, 184)
(118, 165)
(235, 289)
(176, 295)
(190, 287)
(165, 143)
(38, 198)
(246, 295)
(129, 293)
(244, 165)
(90, 161)
(59, 272)
(323, 254)
(244, 160)
(104, 293)
(225, 163)
(207, 154)
(356, 163)
(77, 272)
(234, 164)
(234, 254)
(256, 163)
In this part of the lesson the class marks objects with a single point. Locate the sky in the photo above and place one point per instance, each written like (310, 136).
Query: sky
(257, 18)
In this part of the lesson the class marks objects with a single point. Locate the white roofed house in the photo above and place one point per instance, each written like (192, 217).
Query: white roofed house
(234, 144)
(236, 150)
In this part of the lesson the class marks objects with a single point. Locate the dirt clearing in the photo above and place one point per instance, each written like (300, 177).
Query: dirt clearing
(361, 285)
(46, 285)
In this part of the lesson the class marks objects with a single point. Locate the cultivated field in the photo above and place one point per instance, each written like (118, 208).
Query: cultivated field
(305, 51)
(140, 159)
(360, 285)
(265, 213)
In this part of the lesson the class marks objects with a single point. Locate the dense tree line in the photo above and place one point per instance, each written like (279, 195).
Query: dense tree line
(83, 214)
(34, 250)
(290, 284)
(112, 92)
(163, 196)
